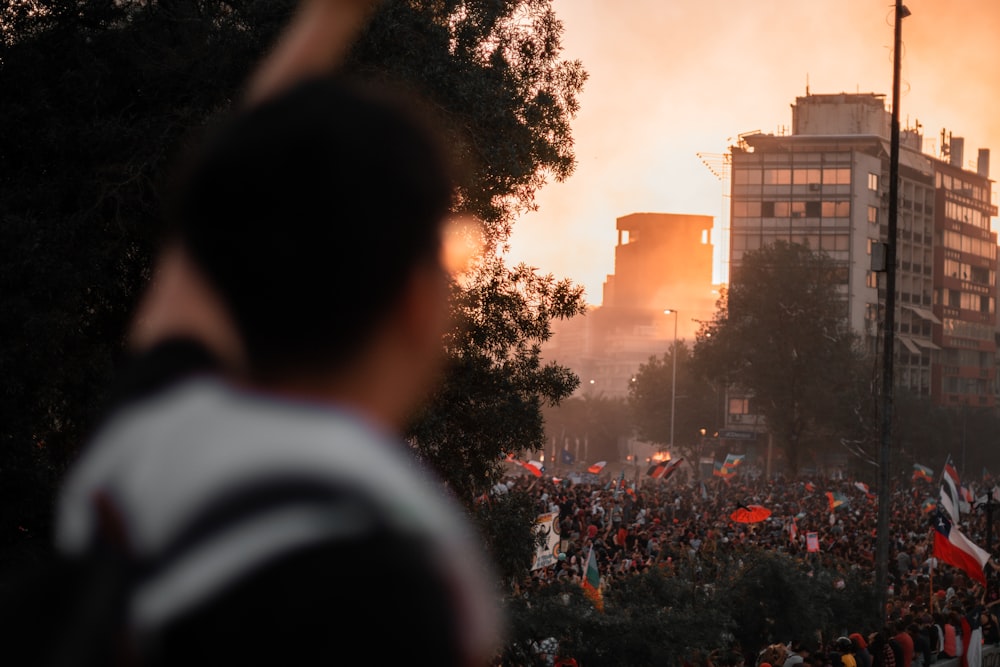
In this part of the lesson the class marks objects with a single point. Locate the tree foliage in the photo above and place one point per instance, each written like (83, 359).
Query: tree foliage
(490, 404)
(697, 405)
(737, 601)
(494, 69)
(780, 333)
(600, 424)
(100, 96)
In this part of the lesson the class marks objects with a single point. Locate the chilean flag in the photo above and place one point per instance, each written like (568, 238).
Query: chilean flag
(536, 468)
(954, 548)
(663, 469)
(597, 467)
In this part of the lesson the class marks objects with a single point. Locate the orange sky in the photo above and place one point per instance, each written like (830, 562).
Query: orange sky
(673, 78)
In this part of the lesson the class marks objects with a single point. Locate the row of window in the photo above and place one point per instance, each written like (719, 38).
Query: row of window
(979, 247)
(982, 303)
(970, 330)
(974, 274)
(963, 187)
(972, 358)
(793, 176)
(823, 242)
(752, 208)
(967, 214)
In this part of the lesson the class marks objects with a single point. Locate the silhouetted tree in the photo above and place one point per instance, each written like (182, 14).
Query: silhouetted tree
(781, 333)
(99, 97)
(697, 406)
(600, 423)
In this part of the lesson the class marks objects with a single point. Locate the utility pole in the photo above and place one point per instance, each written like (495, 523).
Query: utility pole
(888, 350)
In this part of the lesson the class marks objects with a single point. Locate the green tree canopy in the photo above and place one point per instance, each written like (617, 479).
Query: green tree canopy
(698, 404)
(781, 334)
(100, 96)
(600, 424)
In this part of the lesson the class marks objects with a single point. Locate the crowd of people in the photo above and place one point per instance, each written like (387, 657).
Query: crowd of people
(935, 611)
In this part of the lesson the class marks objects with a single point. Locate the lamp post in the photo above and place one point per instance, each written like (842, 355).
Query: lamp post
(673, 381)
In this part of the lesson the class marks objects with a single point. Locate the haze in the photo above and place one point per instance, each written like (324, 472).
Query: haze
(670, 79)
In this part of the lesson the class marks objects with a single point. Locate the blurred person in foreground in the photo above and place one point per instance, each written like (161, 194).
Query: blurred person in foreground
(251, 501)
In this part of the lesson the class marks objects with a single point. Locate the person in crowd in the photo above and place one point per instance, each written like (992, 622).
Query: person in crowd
(990, 625)
(844, 648)
(921, 645)
(949, 636)
(797, 651)
(861, 653)
(235, 508)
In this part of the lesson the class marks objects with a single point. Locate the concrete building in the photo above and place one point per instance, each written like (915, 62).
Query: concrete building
(662, 261)
(826, 185)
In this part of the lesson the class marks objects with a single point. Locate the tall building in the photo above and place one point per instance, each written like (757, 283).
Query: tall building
(826, 185)
(662, 261)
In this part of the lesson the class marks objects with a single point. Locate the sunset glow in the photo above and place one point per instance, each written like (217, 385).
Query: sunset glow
(672, 84)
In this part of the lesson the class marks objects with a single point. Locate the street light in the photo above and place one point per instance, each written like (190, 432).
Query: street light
(673, 381)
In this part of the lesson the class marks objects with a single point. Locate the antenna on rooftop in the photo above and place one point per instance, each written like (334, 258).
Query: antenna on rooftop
(717, 163)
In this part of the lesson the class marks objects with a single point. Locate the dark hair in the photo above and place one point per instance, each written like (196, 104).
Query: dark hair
(308, 212)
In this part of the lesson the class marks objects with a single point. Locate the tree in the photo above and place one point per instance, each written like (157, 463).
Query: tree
(600, 423)
(696, 407)
(100, 96)
(781, 334)
(490, 404)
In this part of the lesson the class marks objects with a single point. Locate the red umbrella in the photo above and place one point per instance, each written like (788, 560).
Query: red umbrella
(750, 514)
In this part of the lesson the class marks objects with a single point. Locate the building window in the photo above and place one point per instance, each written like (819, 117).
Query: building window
(873, 215)
(804, 176)
(836, 209)
(873, 182)
(836, 176)
(777, 177)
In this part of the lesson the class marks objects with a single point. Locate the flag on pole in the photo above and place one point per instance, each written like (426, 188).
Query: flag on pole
(734, 460)
(929, 506)
(954, 548)
(536, 468)
(922, 472)
(592, 581)
(664, 469)
(722, 471)
(950, 485)
(658, 470)
(861, 486)
(597, 467)
(620, 484)
(835, 499)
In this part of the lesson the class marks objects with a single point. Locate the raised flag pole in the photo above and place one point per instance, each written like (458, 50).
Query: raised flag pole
(930, 606)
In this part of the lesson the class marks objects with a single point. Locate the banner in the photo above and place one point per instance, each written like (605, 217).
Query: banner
(548, 525)
(812, 542)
